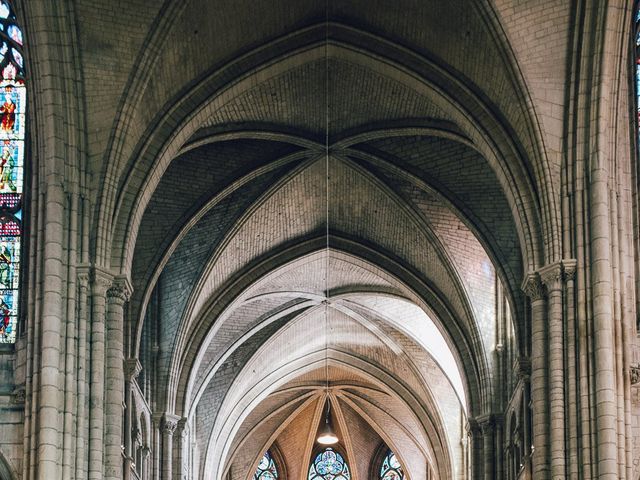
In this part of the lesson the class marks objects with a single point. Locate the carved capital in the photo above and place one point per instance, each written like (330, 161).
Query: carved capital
(101, 281)
(487, 423)
(532, 287)
(183, 428)
(18, 395)
(84, 275)
(132, 369)
(120, 290)
(523, 367)
(569, 267)
(635, 374)
(551, 276)
(170, 423)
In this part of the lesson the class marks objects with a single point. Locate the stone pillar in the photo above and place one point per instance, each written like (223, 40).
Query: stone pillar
(476, 466)
(532, 287)
(132, 368)
(101, 281)
(82, 423)
(182, 449)
(573, 459)
(117, 295)
(552, 280)
(156, 439)
(168, 429)
(487, 428)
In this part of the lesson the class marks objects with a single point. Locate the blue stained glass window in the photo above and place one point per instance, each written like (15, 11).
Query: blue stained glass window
(13, 101)
(391, 468)
(267, 469)
(329, 465)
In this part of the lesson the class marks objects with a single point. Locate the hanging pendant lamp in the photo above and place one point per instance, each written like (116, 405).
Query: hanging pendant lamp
(326, 435)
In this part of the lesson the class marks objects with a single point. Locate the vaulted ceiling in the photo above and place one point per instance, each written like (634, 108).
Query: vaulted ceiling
(303, 192)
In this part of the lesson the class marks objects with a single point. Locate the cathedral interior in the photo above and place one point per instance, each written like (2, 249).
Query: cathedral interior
(319, 240)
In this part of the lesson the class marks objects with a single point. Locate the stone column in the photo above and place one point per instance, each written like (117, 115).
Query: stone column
(476, 467)
(532, 287)
(182, 449)
(117, 295)
(101, 281)
(552, 280)
(156, 439)
(132, 368)
(569, 270)
(168, 429)
(82, 423)
(487, 428)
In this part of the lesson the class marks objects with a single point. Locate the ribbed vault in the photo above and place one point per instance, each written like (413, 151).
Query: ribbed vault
(301, 202)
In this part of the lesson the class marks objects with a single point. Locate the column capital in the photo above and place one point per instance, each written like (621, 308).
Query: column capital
(170, 423)
(532, 287)
(551, 276)
(84, 276)
(120, 290)
(101, 279)
(183, 427)
(569, 266)
(132, 368)
(486, 422)
(523, 367)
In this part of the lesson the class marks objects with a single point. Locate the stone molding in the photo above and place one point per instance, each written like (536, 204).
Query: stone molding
(132, 368)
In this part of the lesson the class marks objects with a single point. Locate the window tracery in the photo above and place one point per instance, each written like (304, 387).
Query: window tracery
(391, 468)
(329, 465)
(12, 153)
(267, 469)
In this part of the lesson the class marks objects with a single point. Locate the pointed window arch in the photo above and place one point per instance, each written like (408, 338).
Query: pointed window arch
(12, 153)
(329, 465)
(391, 468)
(267, 469)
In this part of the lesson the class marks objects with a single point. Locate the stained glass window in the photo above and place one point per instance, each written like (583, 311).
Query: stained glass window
(13, 98)
(391, 468)
(329, 465)
(266, 468)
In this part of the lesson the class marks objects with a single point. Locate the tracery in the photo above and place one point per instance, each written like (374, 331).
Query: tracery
(329, 465)
(267, 469)
(391, 468)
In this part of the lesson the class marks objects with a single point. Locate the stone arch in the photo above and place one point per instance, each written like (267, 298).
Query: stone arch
(472, 357)
(525, 200)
